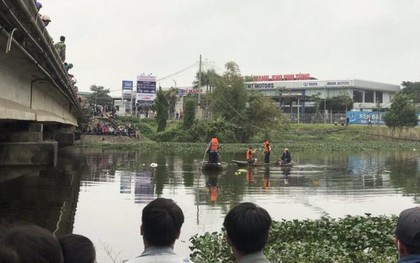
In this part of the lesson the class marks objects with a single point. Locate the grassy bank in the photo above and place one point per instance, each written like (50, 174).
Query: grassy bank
(299, 137)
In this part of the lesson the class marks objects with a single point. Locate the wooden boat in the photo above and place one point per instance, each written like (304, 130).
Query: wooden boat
(245, 163)
(217, 167)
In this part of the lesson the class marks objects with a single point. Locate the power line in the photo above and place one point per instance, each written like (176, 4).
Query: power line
(178, 72)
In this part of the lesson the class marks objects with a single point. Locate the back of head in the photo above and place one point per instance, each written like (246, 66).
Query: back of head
(77, 249)
(161, 222)
(408, 229)
(247, 226)
(62, 38)
(8, 256)
(31, 244)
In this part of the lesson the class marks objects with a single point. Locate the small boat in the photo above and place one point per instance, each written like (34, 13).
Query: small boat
(220, 166)
(245, 163)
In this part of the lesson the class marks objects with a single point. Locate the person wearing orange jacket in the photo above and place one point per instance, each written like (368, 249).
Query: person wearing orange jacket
(213, 150)
(250, 159)
(267, 150)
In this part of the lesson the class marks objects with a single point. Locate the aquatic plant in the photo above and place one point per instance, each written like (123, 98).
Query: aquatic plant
(349, 239)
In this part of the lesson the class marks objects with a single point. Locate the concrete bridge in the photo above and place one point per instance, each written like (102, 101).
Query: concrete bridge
(39, 108)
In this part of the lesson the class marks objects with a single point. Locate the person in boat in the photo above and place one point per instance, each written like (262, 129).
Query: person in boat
(267, 150)
(286, 156)
(213, 150)
(249, 155)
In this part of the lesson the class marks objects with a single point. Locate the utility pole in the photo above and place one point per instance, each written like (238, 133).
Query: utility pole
(199, 87)
(199, 80)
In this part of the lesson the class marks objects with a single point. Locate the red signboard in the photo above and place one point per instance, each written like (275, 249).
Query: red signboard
(299, 76)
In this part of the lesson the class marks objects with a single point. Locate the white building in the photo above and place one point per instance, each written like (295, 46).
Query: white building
(366, 95)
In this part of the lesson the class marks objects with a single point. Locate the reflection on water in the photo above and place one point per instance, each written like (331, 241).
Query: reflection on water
(101, 193)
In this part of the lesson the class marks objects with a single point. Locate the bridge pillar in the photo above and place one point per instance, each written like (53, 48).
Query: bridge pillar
(28, 153)
(25, 145)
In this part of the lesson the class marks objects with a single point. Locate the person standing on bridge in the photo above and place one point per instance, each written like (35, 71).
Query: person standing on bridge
(61, 48)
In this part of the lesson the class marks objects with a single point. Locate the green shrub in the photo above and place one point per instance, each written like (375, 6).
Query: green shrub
(350, 239)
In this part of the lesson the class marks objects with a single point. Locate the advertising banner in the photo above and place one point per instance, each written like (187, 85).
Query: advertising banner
(146, 89)
(362, 117)
(127, 89)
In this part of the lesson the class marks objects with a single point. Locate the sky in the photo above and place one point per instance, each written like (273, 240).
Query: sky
(110, 41)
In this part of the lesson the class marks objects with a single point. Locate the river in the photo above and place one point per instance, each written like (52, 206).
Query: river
(101, 193)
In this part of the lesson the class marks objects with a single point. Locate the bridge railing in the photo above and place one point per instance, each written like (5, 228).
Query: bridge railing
(28, 30)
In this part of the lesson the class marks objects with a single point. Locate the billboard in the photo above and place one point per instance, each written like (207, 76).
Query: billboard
(127, 89)
(146, 89)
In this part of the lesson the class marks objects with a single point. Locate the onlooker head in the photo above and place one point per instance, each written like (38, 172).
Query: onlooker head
(8, 256)
(62, 38)
(407, 233)
(77, 249)
(161, 223)
(38, 5)
(46, 19)
(30, 243)
(247, 226)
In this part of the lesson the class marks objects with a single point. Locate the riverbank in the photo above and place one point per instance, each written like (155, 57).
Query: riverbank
(299, 137)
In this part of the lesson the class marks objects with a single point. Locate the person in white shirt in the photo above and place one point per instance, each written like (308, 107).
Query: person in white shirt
(161, 226)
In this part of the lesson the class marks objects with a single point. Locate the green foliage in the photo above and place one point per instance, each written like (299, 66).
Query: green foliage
(189, 114)
(350, 239)
(173, 134)
(201, 131)
(99, 96)
(411, 89)
(402, 112)
(341, 103)
(261, 115)
(171, 98)
(211, 248)
(229, 97)
(161, 106)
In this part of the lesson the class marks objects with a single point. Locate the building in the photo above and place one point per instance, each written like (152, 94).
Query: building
(293, 92)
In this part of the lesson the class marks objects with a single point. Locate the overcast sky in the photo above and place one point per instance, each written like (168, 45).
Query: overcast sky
(110, 41)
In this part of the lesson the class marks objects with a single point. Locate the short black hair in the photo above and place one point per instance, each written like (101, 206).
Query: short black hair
(247, 226)
(31, 243)
(62, 38)
(161, 222)
(77, 249)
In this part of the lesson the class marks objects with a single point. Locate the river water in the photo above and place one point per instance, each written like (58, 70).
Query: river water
(101, 193)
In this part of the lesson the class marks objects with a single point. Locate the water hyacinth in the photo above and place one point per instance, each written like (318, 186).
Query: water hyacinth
(349, 239)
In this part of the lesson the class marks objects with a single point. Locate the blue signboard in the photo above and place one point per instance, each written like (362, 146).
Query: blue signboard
(127, 85)
(362, 117)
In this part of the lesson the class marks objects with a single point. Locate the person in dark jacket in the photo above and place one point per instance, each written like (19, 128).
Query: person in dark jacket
(286, 156)
(407, 235)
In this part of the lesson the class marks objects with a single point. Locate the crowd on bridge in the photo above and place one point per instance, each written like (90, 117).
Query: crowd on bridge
(60, 48)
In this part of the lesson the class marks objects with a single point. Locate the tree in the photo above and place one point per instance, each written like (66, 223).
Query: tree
(402, 112)
(99, 96)
(189, 114)
(171, 98)
(260, 115)
(208, 79)
(161, 106)
(229, 97)
(412, 89)
(341, 103)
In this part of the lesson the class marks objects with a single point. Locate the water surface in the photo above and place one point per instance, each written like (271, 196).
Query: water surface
(101, 194)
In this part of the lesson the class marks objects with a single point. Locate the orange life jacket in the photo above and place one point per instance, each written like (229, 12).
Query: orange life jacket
(266, 147)
(248, 154)
(214, 144)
